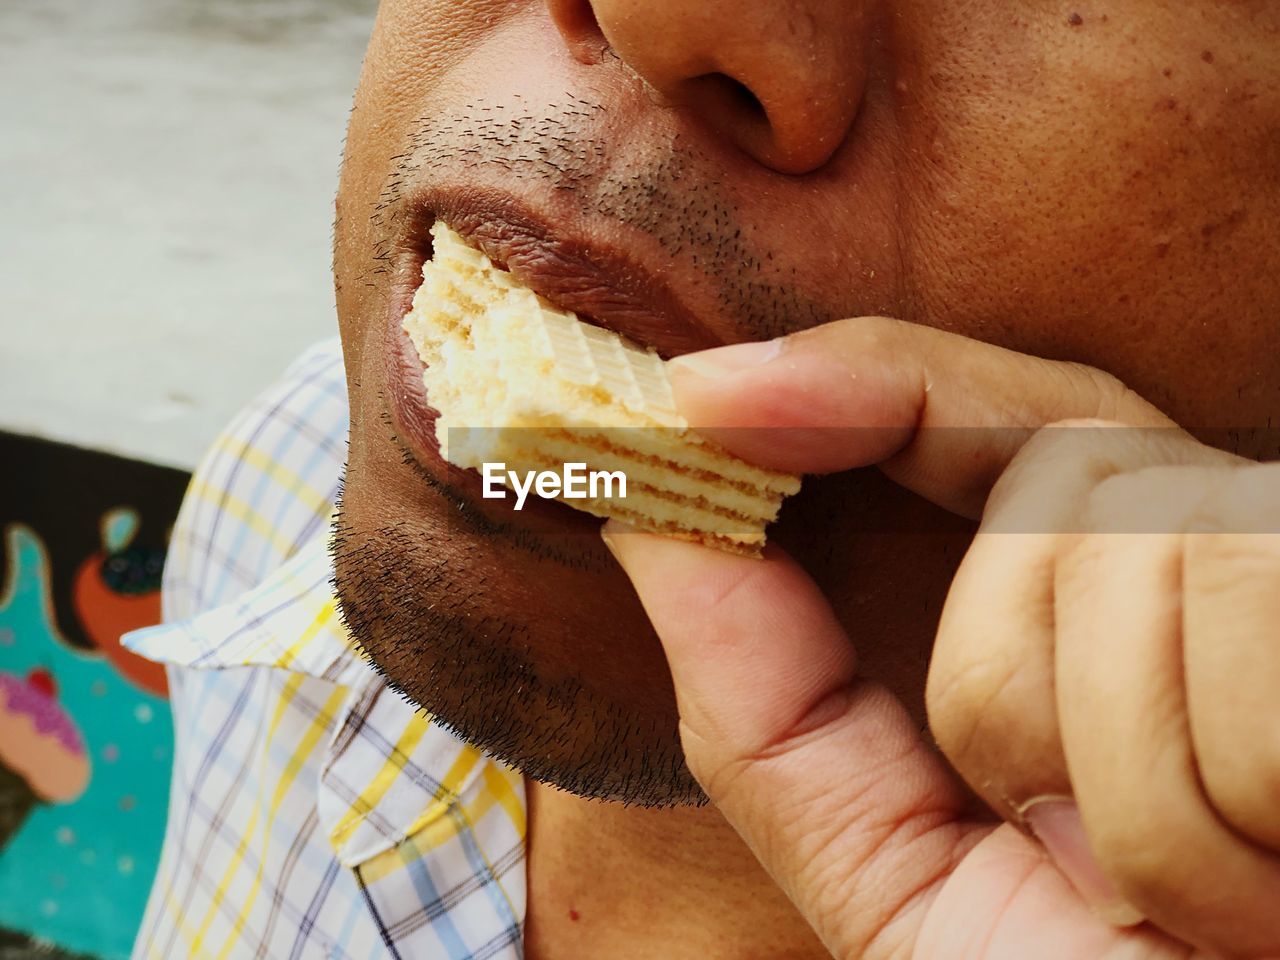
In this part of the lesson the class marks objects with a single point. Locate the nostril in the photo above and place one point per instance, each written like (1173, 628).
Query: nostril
(738, 94)
(781, 82)
(725, 101)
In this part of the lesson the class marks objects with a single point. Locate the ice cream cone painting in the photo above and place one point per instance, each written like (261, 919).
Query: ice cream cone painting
(42, 752)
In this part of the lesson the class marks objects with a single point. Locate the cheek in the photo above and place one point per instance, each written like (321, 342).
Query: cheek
(1102, 197)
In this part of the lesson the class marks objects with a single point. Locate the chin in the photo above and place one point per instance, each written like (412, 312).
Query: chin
(530, 645)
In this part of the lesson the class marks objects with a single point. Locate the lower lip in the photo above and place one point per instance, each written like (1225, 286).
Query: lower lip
(415, 422)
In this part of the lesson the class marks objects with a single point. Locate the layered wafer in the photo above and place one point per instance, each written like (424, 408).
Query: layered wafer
(518, 381)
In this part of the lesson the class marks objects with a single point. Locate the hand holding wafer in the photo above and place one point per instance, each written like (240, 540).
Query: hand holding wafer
(1104, 672)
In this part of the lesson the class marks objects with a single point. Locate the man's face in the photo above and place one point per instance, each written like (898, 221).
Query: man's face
(1092, 182)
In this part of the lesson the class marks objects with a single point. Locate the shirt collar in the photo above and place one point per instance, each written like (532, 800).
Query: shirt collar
(290, 621)
(388, 771)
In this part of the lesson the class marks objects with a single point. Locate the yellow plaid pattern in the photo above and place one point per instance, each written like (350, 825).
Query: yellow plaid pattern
(313, 811)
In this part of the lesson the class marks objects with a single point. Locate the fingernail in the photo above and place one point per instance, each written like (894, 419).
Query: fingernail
(724, 361)
(1056, 823)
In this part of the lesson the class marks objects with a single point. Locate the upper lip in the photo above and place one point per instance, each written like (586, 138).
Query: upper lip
(604, 285)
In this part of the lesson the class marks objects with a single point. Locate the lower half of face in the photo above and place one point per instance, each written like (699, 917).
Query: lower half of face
(529, 644)
(1009, 178)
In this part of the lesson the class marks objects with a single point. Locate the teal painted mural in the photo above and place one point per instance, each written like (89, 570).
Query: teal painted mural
(76, 867)
(86, 735)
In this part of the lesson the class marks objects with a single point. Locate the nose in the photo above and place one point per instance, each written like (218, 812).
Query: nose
(782, 79)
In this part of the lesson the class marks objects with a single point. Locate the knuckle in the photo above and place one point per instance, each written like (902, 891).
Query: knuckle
(972, 706)
(1091, 444)
(1246, 501)
(874, 325)
(860, 333)
(1253, 485)
(1219, 562)
(1118, 498)
(1243, 785)
(1099, 391)
(1078, 558)
(1103, 396)
(1137, 853)
(1157, 498)
(719, 780)
(728, 779)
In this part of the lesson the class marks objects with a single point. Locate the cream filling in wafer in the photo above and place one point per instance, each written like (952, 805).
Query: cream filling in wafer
(518, 381)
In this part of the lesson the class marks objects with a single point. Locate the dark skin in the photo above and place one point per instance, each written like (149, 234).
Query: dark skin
(1095, 184)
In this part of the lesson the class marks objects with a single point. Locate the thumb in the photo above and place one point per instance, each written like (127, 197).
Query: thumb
(942, 414)
(824, 775)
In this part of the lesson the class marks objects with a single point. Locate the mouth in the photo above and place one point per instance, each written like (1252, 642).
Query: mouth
(602, 284)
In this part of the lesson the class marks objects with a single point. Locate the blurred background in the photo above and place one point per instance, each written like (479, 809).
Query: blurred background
(167, 172)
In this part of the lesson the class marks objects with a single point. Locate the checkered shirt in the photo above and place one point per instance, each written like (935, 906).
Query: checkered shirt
(313, 811)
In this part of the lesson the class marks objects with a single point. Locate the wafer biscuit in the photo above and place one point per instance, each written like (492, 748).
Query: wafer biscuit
(517, 380)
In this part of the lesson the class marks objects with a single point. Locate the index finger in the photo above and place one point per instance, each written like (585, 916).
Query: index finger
(942, 414)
